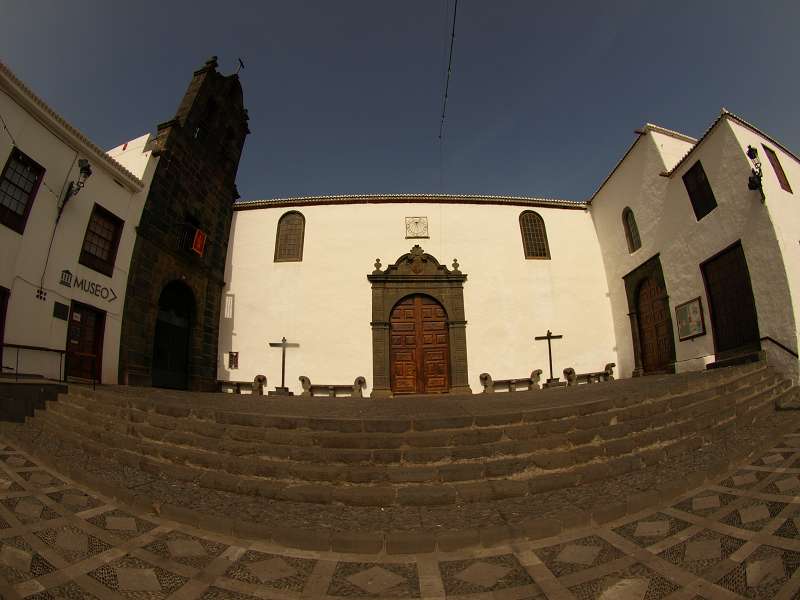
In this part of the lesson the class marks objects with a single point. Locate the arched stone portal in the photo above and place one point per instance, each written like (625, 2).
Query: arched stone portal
(418, 273)
(171, 342)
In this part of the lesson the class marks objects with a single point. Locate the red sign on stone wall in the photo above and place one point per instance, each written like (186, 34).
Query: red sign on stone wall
(199, 242)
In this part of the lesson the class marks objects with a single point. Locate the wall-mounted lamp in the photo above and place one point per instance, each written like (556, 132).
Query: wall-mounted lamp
(754, 181)
(74, 187)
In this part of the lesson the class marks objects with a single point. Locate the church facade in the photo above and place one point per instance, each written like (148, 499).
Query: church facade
(138, 266)
(331, 274)
(686, 256)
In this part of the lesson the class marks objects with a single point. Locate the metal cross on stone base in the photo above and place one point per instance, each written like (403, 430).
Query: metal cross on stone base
(553, 381)
(283, 345)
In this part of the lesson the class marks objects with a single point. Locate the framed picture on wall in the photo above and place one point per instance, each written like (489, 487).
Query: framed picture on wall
(689, 316)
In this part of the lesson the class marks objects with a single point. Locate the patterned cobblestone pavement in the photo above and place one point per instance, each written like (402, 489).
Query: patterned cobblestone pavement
(735, 539)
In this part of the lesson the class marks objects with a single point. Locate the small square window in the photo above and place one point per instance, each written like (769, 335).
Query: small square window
(233, 360)
(18, 186)
(101, 241)
(699, 189)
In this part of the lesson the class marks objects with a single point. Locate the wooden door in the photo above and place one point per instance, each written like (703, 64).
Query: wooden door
(171, 351)
(420, 354)
(85, 342)
(172, 338)
(732, 308)
(655, 326)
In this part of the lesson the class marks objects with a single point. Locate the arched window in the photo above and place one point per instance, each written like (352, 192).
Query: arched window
(289, 241)
(631, 231)
(534, 235)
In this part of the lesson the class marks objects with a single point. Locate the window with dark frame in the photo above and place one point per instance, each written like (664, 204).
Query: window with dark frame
(534, 235)
(631, 230)
(18, 186)
(778, 168)
(101, 241)
(233, 360)
(699, 189)
(289, 239)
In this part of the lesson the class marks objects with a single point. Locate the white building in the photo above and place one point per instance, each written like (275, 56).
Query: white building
(68, 213)
(686, 256)
(673, 264)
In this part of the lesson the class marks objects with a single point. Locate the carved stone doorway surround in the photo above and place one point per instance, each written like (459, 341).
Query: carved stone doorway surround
(417, 273)
(650, 269)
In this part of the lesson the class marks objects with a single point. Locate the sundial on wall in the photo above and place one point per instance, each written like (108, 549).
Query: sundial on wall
(416, 227)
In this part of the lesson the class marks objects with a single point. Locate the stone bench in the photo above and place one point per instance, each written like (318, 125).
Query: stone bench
(256, 387)
(510, 385)
(574, 378)
(333, 390)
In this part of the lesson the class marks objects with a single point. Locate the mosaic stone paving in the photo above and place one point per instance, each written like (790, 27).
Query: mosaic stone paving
(738, 538)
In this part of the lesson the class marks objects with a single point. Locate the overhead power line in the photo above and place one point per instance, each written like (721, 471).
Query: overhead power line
(449, 71)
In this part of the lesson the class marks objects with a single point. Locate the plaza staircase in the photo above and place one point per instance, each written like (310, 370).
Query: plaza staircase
(458, 453)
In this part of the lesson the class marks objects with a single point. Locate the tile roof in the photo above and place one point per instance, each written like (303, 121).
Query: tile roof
(726, 114)
(647, 127)
(410, 198)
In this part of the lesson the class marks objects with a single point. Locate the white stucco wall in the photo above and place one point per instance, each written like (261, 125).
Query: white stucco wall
(133, 156)
(635, 183)
(668, 227)
(324, 302)
(782, 208)
(27, 259)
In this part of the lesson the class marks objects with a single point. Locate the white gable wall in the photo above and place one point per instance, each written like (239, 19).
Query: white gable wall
(782, 209)
(324, 302)
(668, 227)
(635, 184)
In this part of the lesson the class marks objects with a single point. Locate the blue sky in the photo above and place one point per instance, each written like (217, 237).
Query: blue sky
(345, 96)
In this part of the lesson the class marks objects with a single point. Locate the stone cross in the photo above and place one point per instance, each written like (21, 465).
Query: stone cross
(549, 337)
(283, 345)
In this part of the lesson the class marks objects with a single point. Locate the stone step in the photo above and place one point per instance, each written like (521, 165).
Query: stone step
(433, 414)
(526, 437)
(401, 529)
(422, 494)
(386, 485)
(411, 448)
(393, 435)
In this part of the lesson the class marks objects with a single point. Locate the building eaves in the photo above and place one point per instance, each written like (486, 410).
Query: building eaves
(410, 198)
(671, 133)
(726, 114)
(59, 126)
(641, 132)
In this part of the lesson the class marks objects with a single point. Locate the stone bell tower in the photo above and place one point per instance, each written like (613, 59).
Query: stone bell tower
(171, 316)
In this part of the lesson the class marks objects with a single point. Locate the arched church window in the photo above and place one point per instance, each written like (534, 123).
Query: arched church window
(534, 235)
(289, 241)
(631, 231)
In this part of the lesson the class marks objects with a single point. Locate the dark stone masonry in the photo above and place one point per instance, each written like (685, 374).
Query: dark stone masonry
(171, 316)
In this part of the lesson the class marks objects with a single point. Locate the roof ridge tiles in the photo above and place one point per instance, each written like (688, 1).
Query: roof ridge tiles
(387, 198)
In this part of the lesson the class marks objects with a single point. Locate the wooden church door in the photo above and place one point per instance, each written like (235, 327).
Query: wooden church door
(655, 326)
(420, 353)
(732, 308)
